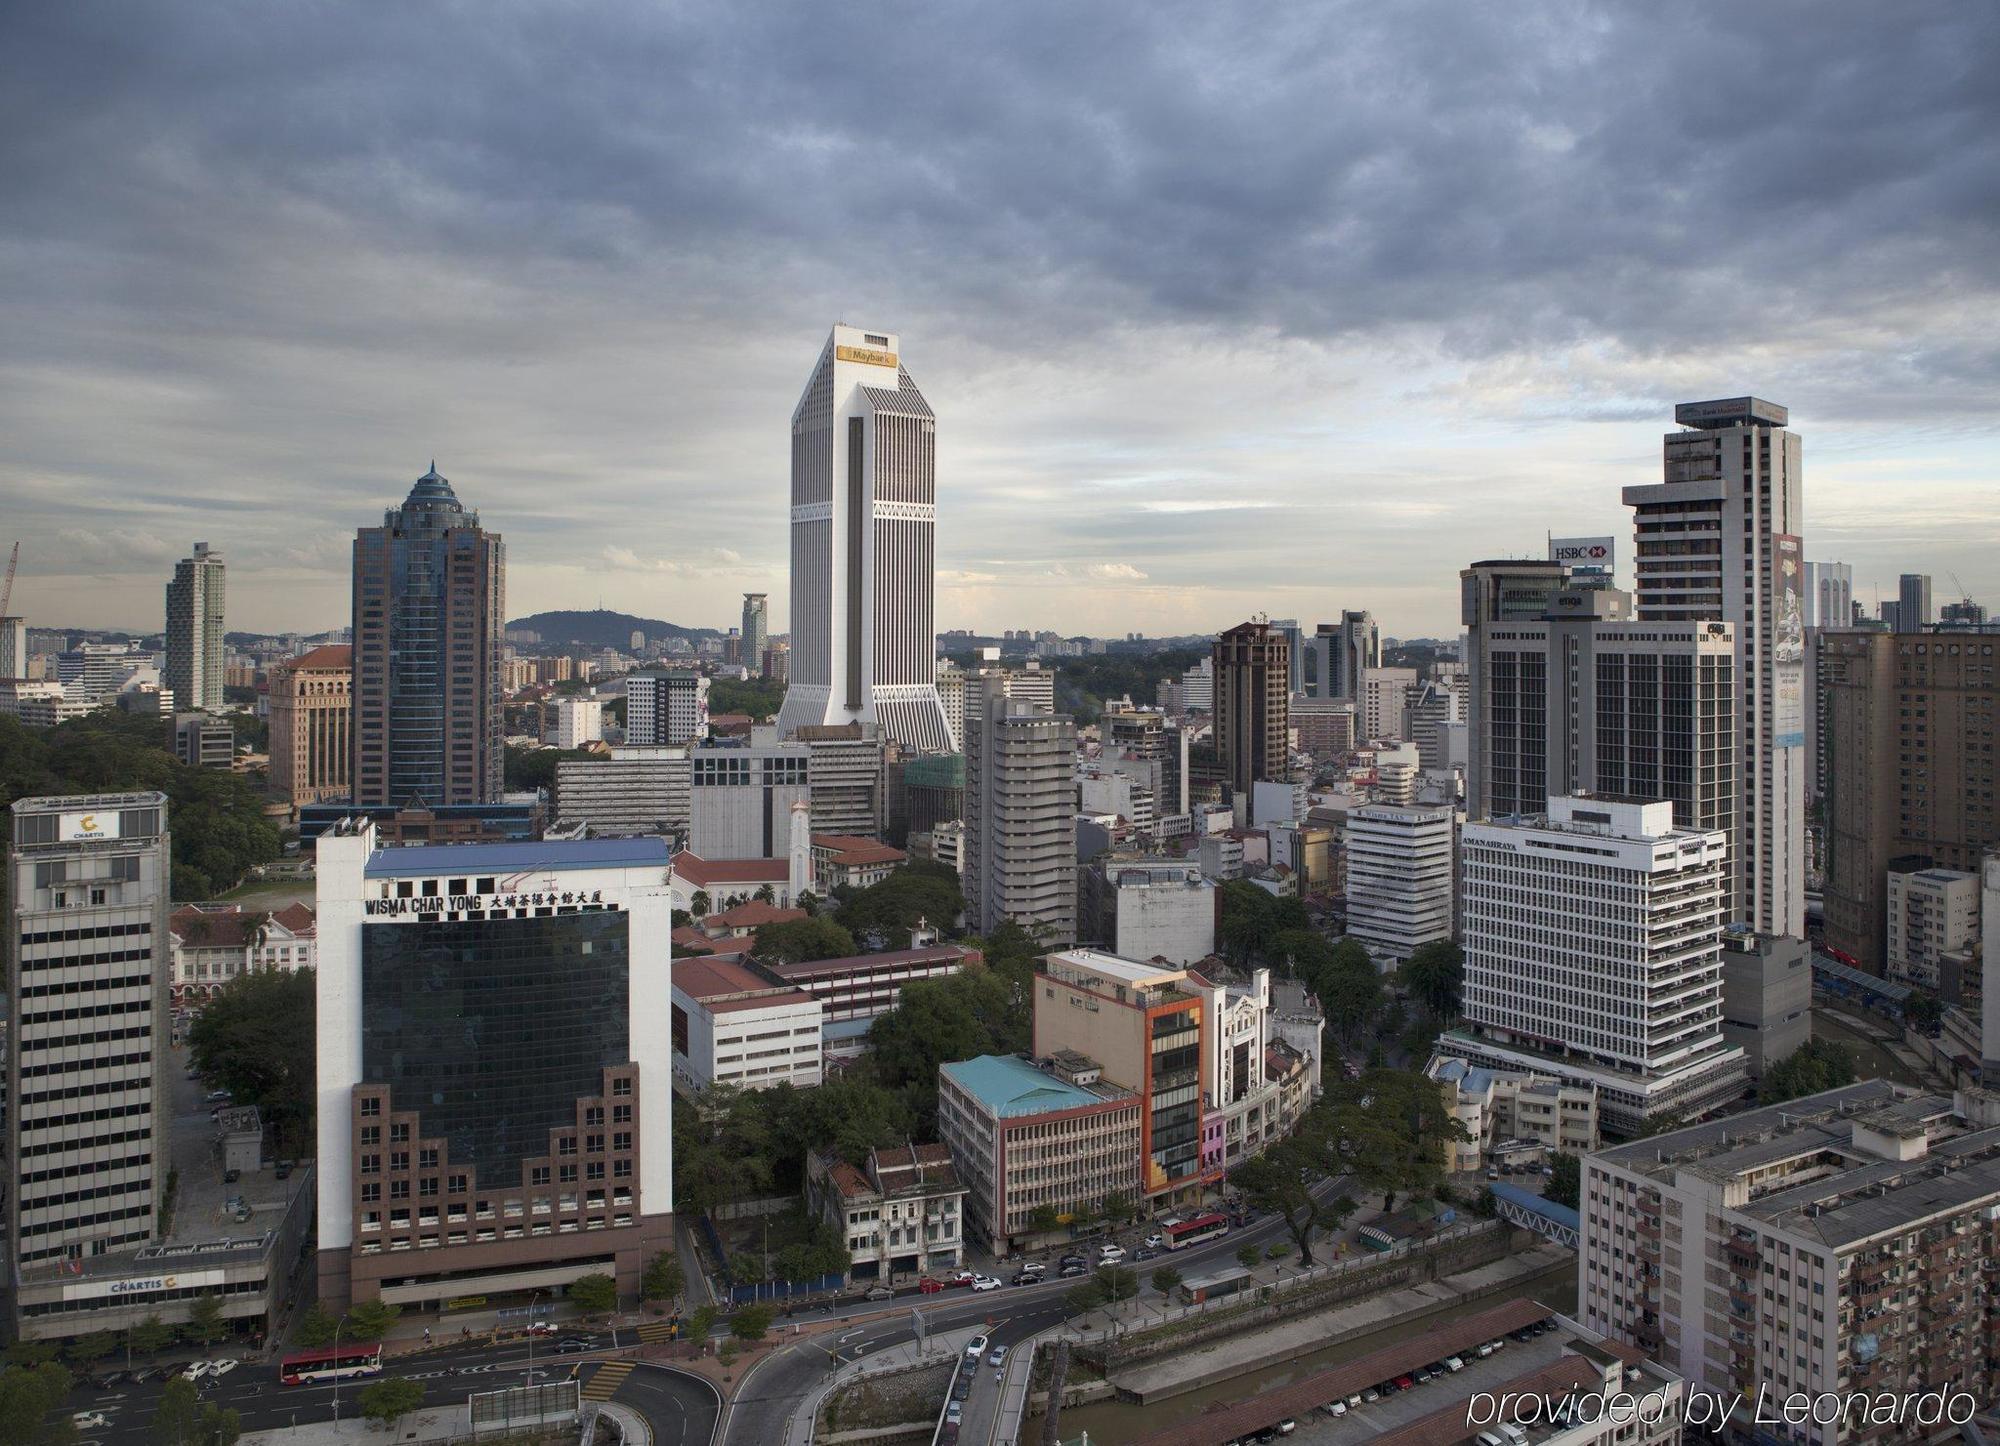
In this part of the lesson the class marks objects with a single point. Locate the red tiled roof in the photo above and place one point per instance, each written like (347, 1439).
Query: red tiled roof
(850, 1182)
(702, 872)
(298, 918)
(853, 850)
(929, 954)
(751, 915)
(214, 928)
(331, 657)
(727, 984)
(691, 938)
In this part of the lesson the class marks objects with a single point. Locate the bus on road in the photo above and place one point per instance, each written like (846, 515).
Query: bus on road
(334, 1363)
(1195, 1230)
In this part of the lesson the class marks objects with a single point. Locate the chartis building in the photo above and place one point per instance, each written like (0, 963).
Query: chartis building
(495, 1075)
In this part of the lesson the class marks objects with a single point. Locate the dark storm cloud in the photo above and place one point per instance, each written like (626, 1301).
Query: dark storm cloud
(223, 221)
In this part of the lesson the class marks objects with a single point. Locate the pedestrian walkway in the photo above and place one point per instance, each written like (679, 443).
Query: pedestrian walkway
(606, 1379)
(658, 1332)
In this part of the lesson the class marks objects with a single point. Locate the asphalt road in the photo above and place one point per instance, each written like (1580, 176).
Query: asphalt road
(681, 1409)
(780, 1383)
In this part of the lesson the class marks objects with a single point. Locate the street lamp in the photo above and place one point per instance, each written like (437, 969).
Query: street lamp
(336, 1371)
(531, 1336)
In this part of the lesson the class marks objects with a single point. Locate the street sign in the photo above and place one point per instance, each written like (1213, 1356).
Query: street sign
(919, 1324)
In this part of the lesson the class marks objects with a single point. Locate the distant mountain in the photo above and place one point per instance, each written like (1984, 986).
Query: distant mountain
(599, 628)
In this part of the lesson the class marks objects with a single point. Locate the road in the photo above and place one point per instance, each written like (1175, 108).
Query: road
(682, 1409)
(778, 1385)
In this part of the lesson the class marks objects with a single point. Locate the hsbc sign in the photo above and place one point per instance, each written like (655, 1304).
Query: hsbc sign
(1582, 551)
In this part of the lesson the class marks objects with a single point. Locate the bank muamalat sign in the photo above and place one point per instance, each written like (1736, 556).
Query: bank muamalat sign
(482, 903)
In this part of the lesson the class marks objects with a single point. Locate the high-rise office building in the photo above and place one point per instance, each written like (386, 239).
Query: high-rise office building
(1719, 540)
(864, 547)
(87, 957)
(1252, 705)
(1829, 596)
(1889, 613)
(1908, 737)
(1913, 603)
(1020, 812)
(196, 652)
(312, 718)
(430, 600)
(951, 694)
(1593, 949)
(1148, 736)
(13, 647)
(1383, 696)
(665, 708)
(495, 1067)
(756, 631)
(1494, 596)
(1399, 877)
(1340, 652)
(1288, 629)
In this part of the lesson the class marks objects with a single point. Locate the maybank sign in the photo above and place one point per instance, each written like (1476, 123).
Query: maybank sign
(83, 827)
(866, 355)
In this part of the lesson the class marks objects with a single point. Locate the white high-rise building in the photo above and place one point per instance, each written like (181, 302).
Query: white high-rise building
(1829, 595)
(1399, 878)
(1384, 697)
(1593, 949)
(864, 547)
(1720, 539)
(1341, 652)
(756, 631)
(13, 647)
(579, 721)
(1020, 812)
(196, 655)
(665, 709)
(951, 693)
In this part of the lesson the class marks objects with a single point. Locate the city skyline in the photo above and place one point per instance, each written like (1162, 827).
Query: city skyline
(1366, 358)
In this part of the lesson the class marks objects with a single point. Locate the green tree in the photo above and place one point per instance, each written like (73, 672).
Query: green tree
(316, 1328)
(391, 1399)
(149, 1335)
(1389, 1130)
(1117, 1207)
(1565, 1186)
(1282, 1179)
(1350, 998)
(205, 1325)
(1248, 1256)
(957, 1017)
(751, 1322)
(1117, 1282)
(663, 1279)
(799, 941)
(255, 1039)
(528, 769)
(594, 1294)
(370, 1320)
(760, 698)
(748, 1268)
(1816, 1065)
(1434, 974)
(1083, 1297)
(92, 1347)
(1043, 1219)
(31, 1405)
(919, 891)
(701, 1322)
(1165, 1279)
(177, 1418)
(700, 904)
(1924, 1010)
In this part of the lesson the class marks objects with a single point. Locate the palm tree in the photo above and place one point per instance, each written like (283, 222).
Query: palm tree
(767, 895)
(698, 905)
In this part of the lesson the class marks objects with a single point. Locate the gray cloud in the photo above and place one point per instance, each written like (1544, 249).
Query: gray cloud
(1148, 260)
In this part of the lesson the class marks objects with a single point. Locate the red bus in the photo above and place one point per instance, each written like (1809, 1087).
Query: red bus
(335, 1363)
(1195, 1230)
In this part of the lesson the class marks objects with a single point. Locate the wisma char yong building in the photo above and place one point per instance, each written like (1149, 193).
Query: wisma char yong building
(495, 1083)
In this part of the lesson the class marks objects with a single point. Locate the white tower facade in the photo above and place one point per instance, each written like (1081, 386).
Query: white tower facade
(864, 547)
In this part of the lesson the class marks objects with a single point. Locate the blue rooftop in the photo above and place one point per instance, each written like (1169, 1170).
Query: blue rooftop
(1009, 1086)
(1528, 1200)
(532, 856)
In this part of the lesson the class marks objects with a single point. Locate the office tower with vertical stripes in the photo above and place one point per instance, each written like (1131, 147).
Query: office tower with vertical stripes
(196, 652)
(864, 547)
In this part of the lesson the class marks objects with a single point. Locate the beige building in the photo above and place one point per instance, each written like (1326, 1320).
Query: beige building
(312, 708)
(1930, 913)
(901, 1213)
(1025, 1137)
(1502, 1108)
(1907, 736)
(1020, 811)
(1837, 1246)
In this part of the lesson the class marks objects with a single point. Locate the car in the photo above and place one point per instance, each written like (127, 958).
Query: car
(282, 1170)
(949, 1435)
(928, 1286)
(1287, 1426)
(954, 1413)
(109, 1379)
(541, 1328)
(1405, 1382)
(1370, 1396)
(1110, 1254)
(976, 1347)
(1155, 1241)
(985, 1282)
(1023, 1277)
(1078, 1269)
(1485, 1349)
(1074, 1259)
(571, 1345)
(1335, 1408)
(1454, 1363)
(962, 1277)
(143, 1375)
(90, 1421)
(997, 1356)
(1353, 1400)
(194, 1371)
(880, 1292)
(1145, 1252)
(1269, 1433)
(222, 1367)
(216, 1097)
(962, 1386)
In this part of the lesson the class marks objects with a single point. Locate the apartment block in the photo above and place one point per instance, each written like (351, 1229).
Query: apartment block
(1399, 877)
(1930, 913)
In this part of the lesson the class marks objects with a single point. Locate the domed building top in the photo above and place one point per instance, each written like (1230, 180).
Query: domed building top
(432, 490)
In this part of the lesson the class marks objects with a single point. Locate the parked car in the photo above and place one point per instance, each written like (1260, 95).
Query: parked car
(1370, 1396)
(1287, 1426)
(985, 1282)
(880, 1292)
(954, 1413)
(928, 1286)
(195, 1371)
(541, 1328)
(962, 1277)
(1026, 1277)
(1454, 1363)
(1110, 1254)
(143, 1375)
(1335, 1408)
(1404, 1383)
(216, 1097)
(571, 1345)
(1155, 1241)
(222, 1367)
(976, 1347)
(230, 1177)
(1078, 1269)
(996, 1356)
(1074, 1259)
(1145, 1252)
(89, 1421)
(282, 1170)
(961, 1386)
(107, 1380)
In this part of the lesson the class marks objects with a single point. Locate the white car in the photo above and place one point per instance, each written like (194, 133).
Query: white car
(1110, 1254)
(195, 1370)
(222, 1367)
(1156, 1241)
(976, 1346)
(89, 1421)
(998, 1356)
(985, 1282)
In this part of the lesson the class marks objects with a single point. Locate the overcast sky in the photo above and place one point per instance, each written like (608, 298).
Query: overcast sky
(1222, 308)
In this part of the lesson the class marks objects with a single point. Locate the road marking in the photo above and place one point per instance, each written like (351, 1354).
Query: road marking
(606, 1379)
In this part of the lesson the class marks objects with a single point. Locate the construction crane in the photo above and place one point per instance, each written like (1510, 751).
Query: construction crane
(7, 587)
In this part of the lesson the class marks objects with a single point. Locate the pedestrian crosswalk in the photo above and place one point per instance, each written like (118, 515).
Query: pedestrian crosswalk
(606, 1380)
(655, 1332)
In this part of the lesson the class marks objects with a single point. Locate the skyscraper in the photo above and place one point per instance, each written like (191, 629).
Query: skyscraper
(1288, 628)
(87, 964)
(1829, 598)
(756, 632)
(1913, 603)
(430, 607)
(665, 707)
(1020, 812)
(196, 655)
(864, 547)
(1502, 680)
(1341, 651)
(312, 714)
(1252, 705)
(1719, 540)
(13, 647)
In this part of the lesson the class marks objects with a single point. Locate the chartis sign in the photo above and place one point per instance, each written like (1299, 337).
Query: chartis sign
(83, 827)
(468, 903)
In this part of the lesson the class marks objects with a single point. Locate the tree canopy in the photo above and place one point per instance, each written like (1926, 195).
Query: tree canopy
(1388, 1130)
(1434, 974)
(799, 941)
(1818, 1064)
(1565, 1186)
(31, 1399)
(1283, 1177)
(890, 909)
(254, 1038)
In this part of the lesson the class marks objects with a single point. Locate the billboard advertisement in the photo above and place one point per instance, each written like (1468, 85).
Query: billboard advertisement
(1589, 559)
(86, 827)
(1788, 642)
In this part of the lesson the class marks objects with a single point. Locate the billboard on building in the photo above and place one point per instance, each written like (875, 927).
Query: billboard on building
(1589, 559)
(1788, 642)
(85, 827)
